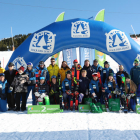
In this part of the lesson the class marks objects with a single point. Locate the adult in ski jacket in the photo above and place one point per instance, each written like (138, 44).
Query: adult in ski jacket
(63, 70)
(83, 86)
(20, 83)
(105, 72)
(135, 73)
(76, 67)
(88, 68)
(118, 75)
(53, 68)
(3, 93)
(54, 91)
(30, 71)
(41, 71)
(2, 70)
(96, 66)
(9, 76)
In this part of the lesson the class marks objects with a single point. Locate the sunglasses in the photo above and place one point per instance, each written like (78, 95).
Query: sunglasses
(29, 66)
(41, 64)
(52, 61)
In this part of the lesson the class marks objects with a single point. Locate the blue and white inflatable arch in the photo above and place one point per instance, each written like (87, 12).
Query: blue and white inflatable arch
(73, 33)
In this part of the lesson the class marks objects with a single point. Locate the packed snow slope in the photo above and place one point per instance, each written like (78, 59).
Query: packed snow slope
(69, 126)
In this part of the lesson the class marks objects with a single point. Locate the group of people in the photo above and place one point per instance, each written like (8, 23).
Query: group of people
(90, 81)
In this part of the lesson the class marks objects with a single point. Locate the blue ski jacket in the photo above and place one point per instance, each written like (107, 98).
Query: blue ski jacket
(66, 85)
(135, 75)
(94, 86)
(108, 86)
(3, 89)
(105, 73)
(31, 75)
(98, 68)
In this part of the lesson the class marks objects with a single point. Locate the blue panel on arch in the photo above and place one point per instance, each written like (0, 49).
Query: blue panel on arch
(73, 33)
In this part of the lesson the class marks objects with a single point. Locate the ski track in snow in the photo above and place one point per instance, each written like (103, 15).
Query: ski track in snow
(69, 125)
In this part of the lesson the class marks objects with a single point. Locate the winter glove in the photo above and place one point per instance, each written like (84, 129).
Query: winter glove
(11, 88)
(109, 94)
(132, 95)
(123, 96)
(128, 97)
(69, 92)
(29, 82)
(37, 94)
(40, 100)
(76, 93)
(42, 95)
(81, 95)
(51, 92)
(93, 94)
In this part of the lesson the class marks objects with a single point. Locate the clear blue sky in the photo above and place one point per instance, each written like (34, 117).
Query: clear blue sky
(28, 19)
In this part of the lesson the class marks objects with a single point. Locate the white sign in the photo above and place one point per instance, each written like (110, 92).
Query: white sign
(18, 62)
(42, 42)
(80, 29)
(117, 41)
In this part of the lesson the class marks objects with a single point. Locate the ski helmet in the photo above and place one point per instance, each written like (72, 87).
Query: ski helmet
(42, 78)
(41, 63)
(29, 64)
(94, 74)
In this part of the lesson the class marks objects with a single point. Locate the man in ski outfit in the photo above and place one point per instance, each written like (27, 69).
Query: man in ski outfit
(9, 76)
(88, 68)
(30, 71)
(96, 66)
(53, 69)
(42, 71)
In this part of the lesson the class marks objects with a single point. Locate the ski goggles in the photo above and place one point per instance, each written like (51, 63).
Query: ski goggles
(53, 77)
(42, 78)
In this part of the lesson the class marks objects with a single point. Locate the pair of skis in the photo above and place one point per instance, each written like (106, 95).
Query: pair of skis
(75, 92)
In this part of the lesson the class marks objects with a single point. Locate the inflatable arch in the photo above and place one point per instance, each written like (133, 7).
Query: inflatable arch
(74, 33)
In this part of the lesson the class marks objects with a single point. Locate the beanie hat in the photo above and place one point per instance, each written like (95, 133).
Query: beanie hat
(75, 61)
(128, 76)
(10, 64)
(21, 68)
(110, 74)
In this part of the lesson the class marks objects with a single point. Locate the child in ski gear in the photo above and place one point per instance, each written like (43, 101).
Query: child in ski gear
(3, 93)
(30, 71)
(53, 68)
(66, 88)
(95, 88)
(83, 86)
(63, 70)
(9, 76)
(105, 72)
(2, 70)
(41, 92)
(135, 73)
(96, 66)
(118, 75)
(88, 68)
(42, 71)
(20, 85)
(130, 90)
(54, 91)
(110, 86)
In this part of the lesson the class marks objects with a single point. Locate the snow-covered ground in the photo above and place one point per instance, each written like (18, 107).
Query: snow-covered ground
(69, 126)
